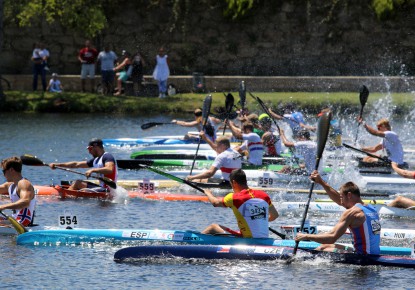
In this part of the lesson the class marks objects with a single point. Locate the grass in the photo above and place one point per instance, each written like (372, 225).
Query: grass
(182, 103)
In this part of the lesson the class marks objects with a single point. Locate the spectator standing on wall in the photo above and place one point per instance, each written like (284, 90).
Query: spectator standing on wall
(137, 74)
(39, 58)
(107, 58)
(161, 72)
(88, 57)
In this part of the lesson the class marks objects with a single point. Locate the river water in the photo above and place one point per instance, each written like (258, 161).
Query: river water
(56, 137)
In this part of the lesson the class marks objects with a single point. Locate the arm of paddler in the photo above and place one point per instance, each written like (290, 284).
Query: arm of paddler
(216, 202)
(332, 193)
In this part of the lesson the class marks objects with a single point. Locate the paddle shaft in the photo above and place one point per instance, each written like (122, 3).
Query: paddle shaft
(323, 130)
(206, 107)
(16, 225)
(367, 153)
(229, 105)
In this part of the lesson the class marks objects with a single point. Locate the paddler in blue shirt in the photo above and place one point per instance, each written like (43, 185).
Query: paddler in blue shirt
(362, 220)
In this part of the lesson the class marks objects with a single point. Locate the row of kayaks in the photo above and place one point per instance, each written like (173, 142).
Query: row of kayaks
(190, 244)
(315, 207)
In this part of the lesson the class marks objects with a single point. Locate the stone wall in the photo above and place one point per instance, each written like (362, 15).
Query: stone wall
(278, 38)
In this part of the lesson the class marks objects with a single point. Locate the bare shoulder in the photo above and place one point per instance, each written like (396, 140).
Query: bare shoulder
(25, 184)
(354, 216)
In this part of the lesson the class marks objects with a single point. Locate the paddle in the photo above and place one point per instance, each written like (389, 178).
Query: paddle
(363, 96)
(31, 160)
(16, 225)
(242, 95)
(266, 111)
(153, 124)
(367, 153)
(207, 103)
(229, 106)
(323, 127)
(191, 184)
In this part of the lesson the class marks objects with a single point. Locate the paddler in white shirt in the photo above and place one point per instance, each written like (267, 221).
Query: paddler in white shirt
(270, 138)
(390, 143)
(226, 161)
(252, 142)
(304, 148)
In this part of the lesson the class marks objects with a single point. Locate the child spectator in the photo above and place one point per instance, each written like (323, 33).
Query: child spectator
(55, 85)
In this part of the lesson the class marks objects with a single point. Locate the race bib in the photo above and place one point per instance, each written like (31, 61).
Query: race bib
(146, 186)
(265, 180)
(67, 220)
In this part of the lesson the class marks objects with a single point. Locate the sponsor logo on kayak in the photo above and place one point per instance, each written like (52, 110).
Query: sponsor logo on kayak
(137, 235)
(191, 239)
(395, 235)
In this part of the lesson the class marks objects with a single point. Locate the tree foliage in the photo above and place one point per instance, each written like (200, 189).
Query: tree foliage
(87, 16)
(238, 8)
(386, 8)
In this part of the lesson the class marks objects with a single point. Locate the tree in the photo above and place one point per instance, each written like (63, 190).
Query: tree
(87, 16)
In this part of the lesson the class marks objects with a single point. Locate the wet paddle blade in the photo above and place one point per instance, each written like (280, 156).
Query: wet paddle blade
(323, 128)
(18, 227)
(151, 125)
(207, 103)
(363, 96)
(31, 160)
(229, 101)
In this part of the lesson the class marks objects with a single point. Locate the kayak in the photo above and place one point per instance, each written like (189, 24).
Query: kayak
(54, 237)
(257, 253)
(389, 234)
(42, 190)
(174, 154)
(326, 207)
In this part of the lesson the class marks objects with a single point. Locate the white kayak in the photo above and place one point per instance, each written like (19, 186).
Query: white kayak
(389, 234)
(326, 207)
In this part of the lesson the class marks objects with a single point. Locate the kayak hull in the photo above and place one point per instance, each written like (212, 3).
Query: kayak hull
(256, 253)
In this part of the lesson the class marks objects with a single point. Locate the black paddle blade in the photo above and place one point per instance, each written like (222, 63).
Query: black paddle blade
(229, 103)
(242, 94)
(207, 103)
(323, 127)
(31, 160)
(364, 95)
(150, 125)
(108, 181)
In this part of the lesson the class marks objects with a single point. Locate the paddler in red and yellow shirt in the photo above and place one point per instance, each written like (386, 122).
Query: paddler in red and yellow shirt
(253, 209)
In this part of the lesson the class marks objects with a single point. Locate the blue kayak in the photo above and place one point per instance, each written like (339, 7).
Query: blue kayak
(53, 237)
(256, 253)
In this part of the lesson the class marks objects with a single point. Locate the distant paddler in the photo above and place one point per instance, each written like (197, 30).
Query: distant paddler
(226, 161)
(270, 137)
(252, 142)
(102, 163)
(401, 201)
(305, 149)
(390, 143)
(210, 128)
(362, 220)
(253, 209)
(294, 118)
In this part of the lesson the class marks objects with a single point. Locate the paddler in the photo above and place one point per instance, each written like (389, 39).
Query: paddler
(253, 209)
(252, 142)
(401, 201)
(20, 190)
(210, 128)
(102, 163)
(305, 148)
(362, 220)
(227, 160)
(270, 138)
(390, 143)
(294, 118)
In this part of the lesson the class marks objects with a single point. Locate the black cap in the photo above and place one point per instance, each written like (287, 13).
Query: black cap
(95, 142)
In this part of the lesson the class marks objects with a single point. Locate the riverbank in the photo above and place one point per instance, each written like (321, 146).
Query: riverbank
(69, 102)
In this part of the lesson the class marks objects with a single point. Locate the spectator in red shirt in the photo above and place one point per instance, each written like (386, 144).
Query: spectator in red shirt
(88, 57)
